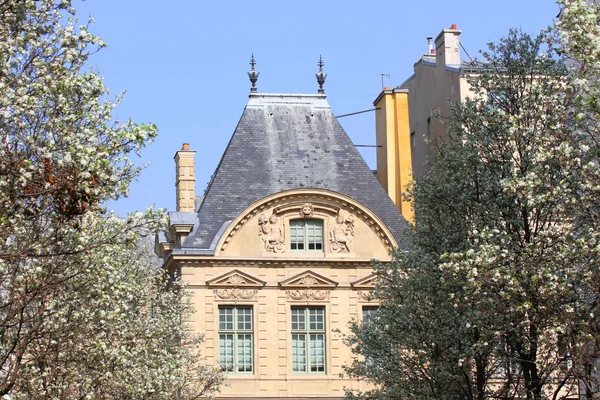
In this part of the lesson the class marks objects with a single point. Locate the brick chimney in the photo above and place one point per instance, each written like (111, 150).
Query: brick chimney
(185, 179)
(447, 47)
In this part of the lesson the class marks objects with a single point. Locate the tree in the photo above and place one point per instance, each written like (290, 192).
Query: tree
(85, 312)
(501, 276)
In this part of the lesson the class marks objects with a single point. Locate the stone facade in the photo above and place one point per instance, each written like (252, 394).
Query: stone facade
(278, 255)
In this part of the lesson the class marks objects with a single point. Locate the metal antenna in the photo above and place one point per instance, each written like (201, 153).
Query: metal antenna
(382, 75)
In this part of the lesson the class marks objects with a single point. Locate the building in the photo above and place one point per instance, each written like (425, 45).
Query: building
(278, 251)
(439, 78)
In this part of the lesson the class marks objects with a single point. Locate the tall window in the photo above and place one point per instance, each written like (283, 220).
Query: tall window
(308, 340)
(306, 234)
(235, 339)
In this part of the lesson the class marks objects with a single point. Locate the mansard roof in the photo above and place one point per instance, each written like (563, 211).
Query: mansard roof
(285, 142)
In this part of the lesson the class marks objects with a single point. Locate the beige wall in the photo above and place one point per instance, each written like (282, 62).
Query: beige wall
(430, 91)
(271, 305)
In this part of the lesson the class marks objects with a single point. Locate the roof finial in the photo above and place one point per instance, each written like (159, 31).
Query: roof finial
(321, 76)
(253, 75)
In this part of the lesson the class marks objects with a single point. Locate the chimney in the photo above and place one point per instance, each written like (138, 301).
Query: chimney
(185, 179)
(431, 50)
(447, 47)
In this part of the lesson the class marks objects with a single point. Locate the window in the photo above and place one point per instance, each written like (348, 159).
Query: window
(306, 234)
(235, 339)
(308, 339)
(369, 314)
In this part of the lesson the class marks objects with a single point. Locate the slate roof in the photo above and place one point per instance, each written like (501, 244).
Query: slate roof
(285, 142)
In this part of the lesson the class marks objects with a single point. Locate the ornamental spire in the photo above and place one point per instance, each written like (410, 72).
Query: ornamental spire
(253, 75)
(321, 76)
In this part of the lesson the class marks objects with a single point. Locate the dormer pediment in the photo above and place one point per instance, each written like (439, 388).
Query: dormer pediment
(368, 282)
(308, 280)
(236, 278)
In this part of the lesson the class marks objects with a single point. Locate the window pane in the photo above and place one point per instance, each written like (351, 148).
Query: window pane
(226, 318)
(244, 353)
(298, 319)
(317, 353)
(244, 318)
(298, 353)
(368, 314)
(226, 352)
(316, 319)
(297, 235)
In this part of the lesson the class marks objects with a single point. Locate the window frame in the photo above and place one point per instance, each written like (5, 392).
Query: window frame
(315, 349)
(367, 314)
(236, 341)
(306, 243)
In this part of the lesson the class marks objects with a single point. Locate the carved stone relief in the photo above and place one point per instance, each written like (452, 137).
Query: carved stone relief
(306, 210)
(235, 279)
(308, 280)
(307, 294)
(235, 293)
(272, 234)
(364, 295)
(341, 234)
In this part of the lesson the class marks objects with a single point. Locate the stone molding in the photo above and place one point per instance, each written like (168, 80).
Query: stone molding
(308, 280)
(364, 287)
(235, 285)
(324, 200)
(236, 278)
(308, 286)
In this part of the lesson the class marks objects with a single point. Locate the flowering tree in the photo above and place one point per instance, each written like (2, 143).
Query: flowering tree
(498, 295)
(84, 310)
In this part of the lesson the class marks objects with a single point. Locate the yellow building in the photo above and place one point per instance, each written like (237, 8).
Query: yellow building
(394, 153)
(277, 253)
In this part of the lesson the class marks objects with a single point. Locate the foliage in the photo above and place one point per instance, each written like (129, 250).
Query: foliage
(497, 296)
(84, 310)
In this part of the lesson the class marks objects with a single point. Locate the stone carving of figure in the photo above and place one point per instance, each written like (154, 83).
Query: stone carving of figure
(272, 234)
(341, 234)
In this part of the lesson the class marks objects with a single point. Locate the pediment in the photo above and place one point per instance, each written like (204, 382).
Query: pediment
(368, 282)
(236, 278)
(308, 279)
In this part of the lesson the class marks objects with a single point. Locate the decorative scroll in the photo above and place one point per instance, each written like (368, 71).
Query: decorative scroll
(235, 293)
(307, 294)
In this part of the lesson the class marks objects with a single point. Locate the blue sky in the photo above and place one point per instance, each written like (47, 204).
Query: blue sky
(184, 63)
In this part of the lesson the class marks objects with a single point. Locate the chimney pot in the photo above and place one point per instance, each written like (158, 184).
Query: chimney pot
(386, 88)
(185, 147)
(453, 26)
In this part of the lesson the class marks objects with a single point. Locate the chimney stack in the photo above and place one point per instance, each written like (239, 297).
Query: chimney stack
(447, 47)
(185, 179)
